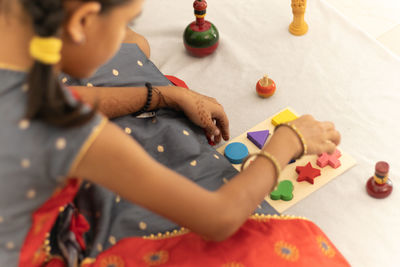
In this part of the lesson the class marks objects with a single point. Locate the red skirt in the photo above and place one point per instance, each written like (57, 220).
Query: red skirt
(263, 240)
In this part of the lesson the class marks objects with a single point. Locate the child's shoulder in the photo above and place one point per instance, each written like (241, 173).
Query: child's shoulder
(128, 68)
(24, 141)
(139, 40)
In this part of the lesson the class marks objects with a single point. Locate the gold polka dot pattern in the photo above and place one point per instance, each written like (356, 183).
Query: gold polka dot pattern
(10, 245)
(128, 130)
(31, 193)
(142, 226)
(24, 124)
(25, 163)
(61, 143)
(25, 88)
(112, 240)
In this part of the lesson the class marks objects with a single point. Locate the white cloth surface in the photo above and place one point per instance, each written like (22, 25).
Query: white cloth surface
(335, 72)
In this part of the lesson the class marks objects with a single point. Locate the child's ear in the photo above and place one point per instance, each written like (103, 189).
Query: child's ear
(79, 19)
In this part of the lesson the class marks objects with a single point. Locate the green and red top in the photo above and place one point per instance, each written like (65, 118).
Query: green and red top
(201, 37)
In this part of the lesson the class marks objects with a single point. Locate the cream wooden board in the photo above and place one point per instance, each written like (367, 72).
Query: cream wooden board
(300, 189)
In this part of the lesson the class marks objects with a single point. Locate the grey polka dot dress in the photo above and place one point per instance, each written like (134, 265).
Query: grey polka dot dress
(168, 136)
(34, 160)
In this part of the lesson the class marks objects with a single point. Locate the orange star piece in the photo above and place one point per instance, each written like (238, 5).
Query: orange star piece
(307, 173)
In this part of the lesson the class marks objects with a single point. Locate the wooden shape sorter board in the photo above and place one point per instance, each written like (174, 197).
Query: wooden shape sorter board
(300, 189)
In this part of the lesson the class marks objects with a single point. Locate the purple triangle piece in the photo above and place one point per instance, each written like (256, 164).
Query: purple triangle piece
(258, 138)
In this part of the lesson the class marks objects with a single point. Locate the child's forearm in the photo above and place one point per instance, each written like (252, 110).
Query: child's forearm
(118, 101)
(137, 177)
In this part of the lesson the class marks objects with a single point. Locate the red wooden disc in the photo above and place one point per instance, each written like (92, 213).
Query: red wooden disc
(379, 190)
(201, 52)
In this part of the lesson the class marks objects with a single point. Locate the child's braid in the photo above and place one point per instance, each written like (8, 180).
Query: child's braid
(46, 98)
(47, 16)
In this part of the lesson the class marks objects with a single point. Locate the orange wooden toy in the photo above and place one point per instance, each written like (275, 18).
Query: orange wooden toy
(265, 87)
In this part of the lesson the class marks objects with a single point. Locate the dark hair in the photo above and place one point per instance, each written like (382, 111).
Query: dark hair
(46, 98)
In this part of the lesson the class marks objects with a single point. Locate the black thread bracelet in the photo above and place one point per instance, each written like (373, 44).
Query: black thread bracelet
(148, 101)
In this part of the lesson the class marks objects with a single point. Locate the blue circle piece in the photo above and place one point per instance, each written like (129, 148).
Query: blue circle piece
(236, 152)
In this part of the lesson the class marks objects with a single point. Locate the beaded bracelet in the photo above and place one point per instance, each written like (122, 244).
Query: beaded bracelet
(148, 101)
(268, 156)
(299, 135)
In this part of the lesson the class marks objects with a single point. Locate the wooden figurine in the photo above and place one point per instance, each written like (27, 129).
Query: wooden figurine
(298, 25)
(265, 87)
(379, 185)
(201, 37)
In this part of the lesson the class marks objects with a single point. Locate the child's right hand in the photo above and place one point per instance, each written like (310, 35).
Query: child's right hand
(319, 136)
(202, 110)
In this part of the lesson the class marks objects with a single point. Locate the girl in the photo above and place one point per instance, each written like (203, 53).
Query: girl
(48, 138)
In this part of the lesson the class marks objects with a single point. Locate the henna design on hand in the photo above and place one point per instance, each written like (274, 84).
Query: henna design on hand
(205, 118)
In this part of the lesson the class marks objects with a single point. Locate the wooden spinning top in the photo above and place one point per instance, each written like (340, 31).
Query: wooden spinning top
(265, 87)
(201, 37)
(298, 25)
(379, 185)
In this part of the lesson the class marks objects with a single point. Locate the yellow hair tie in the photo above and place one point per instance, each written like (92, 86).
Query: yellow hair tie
(46, 49)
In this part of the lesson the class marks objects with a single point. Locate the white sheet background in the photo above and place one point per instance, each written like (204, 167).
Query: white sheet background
(335, 72)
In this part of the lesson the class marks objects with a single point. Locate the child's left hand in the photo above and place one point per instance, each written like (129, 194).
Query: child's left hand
(202, 110)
